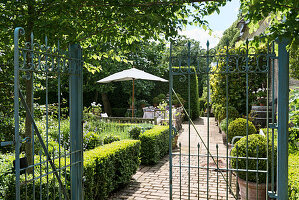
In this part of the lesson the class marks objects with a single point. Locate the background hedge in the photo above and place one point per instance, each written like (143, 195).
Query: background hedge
(110, 167)
(180, 85)
(154, 144)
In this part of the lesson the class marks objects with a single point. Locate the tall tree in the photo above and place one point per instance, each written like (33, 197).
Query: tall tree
(282, 18)
(116, 24)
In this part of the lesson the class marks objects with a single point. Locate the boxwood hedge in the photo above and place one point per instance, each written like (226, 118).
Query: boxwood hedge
(106, 168)
(154, 144)
(239, 150)
(238, 128)
(109, 167)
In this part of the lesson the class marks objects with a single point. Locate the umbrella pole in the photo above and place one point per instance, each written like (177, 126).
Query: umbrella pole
(133, 99)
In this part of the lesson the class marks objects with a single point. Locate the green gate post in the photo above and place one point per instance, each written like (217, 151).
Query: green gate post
(18, 31)
(170, 122)
(76, 133)
(283, 118)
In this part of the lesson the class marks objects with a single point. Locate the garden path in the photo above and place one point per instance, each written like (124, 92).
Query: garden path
(151, 182)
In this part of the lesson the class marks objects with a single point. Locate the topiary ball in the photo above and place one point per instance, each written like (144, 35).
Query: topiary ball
(257, 147)
(232, 113)
(238, 128)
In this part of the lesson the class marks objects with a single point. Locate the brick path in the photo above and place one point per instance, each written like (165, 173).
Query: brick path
(152, 182)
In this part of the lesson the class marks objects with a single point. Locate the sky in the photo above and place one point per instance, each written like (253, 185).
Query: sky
(218, 23)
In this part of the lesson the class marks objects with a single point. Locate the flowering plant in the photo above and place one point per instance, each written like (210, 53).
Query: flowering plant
(96, 108)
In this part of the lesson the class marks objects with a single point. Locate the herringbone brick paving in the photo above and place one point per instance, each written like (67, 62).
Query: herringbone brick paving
(152, 182)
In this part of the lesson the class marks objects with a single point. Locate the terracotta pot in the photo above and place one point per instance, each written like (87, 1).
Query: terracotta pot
(252, 190)
(175, 141)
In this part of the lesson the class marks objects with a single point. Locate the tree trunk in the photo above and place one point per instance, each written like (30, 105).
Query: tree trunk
(106, 104)
(28, 124)
(29, 90)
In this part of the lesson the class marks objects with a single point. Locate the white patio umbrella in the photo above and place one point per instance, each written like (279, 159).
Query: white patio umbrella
(131, 74)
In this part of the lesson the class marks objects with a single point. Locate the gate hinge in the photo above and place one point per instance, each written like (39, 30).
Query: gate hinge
(273, 125)
(7, 143)
(272, 195)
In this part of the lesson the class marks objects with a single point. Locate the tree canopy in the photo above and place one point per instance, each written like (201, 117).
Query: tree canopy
(282, 15)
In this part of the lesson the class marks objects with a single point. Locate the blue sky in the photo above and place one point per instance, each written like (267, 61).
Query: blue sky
(218, 23)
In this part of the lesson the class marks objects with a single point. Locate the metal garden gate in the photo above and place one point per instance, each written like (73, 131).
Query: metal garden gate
(196, 171)
(54, 170)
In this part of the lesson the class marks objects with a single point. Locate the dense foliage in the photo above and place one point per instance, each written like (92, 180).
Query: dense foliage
(257, 148)
(232, 113)
(180, 85)
(110, 167)
(225, 123)
(235, 84)
(135, 132)
(238, 127)
(154, 144)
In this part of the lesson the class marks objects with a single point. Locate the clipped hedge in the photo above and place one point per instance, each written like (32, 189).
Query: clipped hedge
(8, 180)
(154, 144)
(238, 128)
(110, 167)
(181, 86)
(232, 113)
(253, 141)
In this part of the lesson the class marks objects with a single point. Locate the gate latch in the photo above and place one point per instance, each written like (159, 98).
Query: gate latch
(272, 195)
(6, 143)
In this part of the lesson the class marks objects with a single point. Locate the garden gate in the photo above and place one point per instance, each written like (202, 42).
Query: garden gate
(213, 171)
(54, 168)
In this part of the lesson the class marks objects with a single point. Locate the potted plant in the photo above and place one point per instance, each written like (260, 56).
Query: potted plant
(257, 148)
(261, 97)
(176, 101)
(262, 101)
(238, 128)
(175, 137)
(161, 97)
(143, 103)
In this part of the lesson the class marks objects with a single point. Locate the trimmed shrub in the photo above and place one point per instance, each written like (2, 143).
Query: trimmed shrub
(293, 185)
(135, 132)
(110, 167)
(240, 151)
(238, 128)
(8, 180)
(236, 84)
(223, 124)
(217, 108)
(154, 144)
(232, 113)
(110, 138)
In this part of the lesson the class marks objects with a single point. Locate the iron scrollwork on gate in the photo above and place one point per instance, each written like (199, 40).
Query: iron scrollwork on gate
(54, 167)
